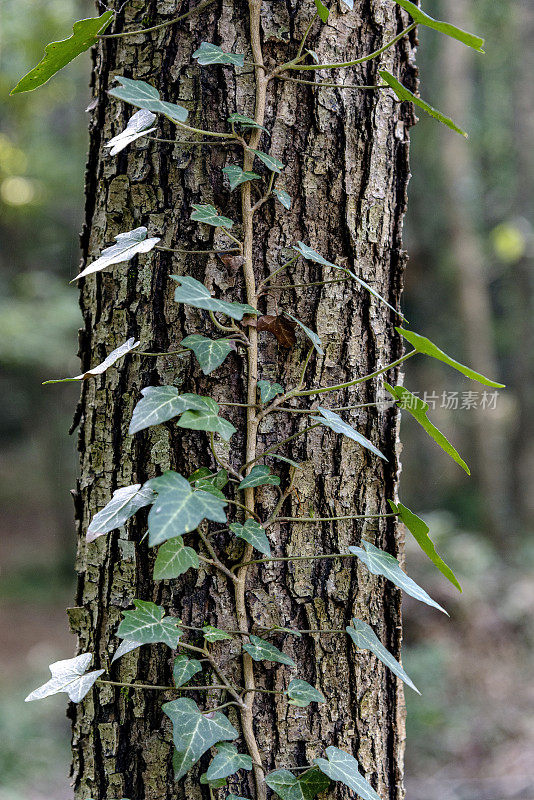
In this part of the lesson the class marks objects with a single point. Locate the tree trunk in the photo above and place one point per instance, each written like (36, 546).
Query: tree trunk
(347, 170)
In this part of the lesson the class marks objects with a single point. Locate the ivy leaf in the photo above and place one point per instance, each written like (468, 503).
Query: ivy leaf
(209, 53)
(207, 420)
(260, 650)
(114, 356)
(312, 336)
(253, 533)
(365, 638)
(245, 122)
(179, 509)
(424, 345)
(312, 255)
(219, 784)
(419, 16)
(405, 94)
(184, 669)
(268, 390)
(259, 476)
(279, 326)
(59, 54)
(174, 559)
(343, 767)
(124, 504)
(209, 215)
(161, 403)
(227, 762)
(286, 459)
(126, 646)
(322, 10)
(138, 125)
(68, 676)
(418, 409)
(235, 797)
(203, 478)
(333, 421)
(212, 634)
(194, 733)
(127, 246)
(143, 95)
(301, 693)
(237, 176)
(270, 162)
(210, 353)
(283, 197)
(195, 294)
(420, 530)
(305, 787)
(378, 562)
(149, 625)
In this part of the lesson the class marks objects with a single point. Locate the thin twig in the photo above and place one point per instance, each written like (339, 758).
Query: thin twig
(196, 10)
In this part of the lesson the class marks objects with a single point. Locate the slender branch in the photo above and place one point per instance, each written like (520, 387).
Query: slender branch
(328, 85)
(196, 10)
(169, 353)
(277, 272)
(164, 688)
(274, 520)
(323, 557)
(279, 444)
(305, 285)
(220, 461)
(232, 237)
(198, 252)
(214, 561)
(306, 34)
(219, 325)
(186, 141)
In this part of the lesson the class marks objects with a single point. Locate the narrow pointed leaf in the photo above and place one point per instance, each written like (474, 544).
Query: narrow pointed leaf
(335, 423)
(184, 669)
(210, 353)
(174, 559)
(343, 767)
(161, 403)
(194, 733)
(68, 676)
(312, 336)
(301, 693)
(244, 121)
(124, 504)
(420, 530)
(322, 10)
(285, 459)
(209, 215)
(259, 476)
(405, 94)
(194, 293)
(237, 176)
(59, 54)
(419, 16)
(114, 356)
(126, 646)
(424, 345)
(227, 762)
(289, 787)
(378, 562)
(365, 638)
(253, 533)
(312, 255)
(209, 53)
(418, 409)
(143, 95)
(283, 197)
(127, 246)
(148, 624)
(261, 650)
(268, 391)
(212, 634)
(140, 124)
(270, 162)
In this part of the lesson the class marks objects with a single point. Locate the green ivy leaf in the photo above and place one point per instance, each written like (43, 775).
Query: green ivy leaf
(68, 676)
(59, 54)
(305, 787)
(140, 124)
(259, 476)
(268, 391)
(253, 533)
(333, 421)
(174, 559)
(127, 246)
(184, 669)
(301, 693)
(195, 294)
(365, 638)
(143, 95)
(312, 336)
(179, 508)
(215, 481)
(428, 348)
(194, 733)
(245, 122)
(419, 16)
(227, 762)
(343, 767)
(126, 646)
(148, 625)
(212, 634)
(270, 162)
(207, 420)
(219, 784)
(114, 356)
(405, 94)
(418, 409)
(124, 504)
(285, 459)
(378, 562)
(235, 797)
(210, 353)
(236, 176)
(312, 255)
(161, 403)
(420, 530)
(283, 197)
(261, 650)
(322, 10)
(209, 53)
(209, 215)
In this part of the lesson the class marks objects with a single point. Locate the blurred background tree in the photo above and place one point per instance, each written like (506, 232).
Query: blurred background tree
(469, 286)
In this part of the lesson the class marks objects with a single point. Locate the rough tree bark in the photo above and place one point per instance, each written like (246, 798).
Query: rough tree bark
(347, 169)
